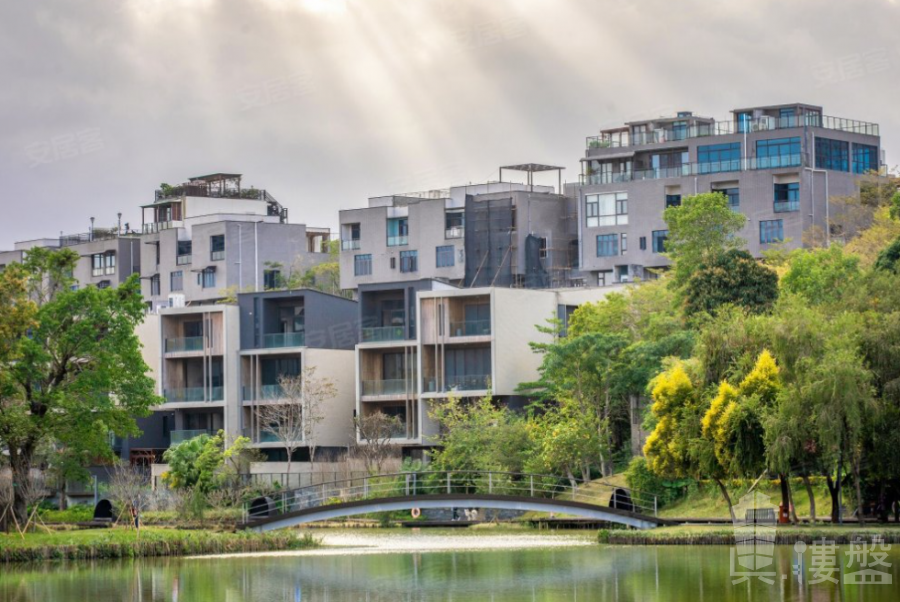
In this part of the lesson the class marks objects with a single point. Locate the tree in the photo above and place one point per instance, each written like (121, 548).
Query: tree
(566, 442)
(701, 228)
(375, 433)
(821, 275)
(129, 486)
(733, 277)
(71, 369)
(889, 258)
(203, 462)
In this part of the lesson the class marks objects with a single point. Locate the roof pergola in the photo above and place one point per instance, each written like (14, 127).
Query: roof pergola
(531, 169)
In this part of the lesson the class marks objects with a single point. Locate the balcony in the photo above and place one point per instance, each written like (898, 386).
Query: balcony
(775, 162)
(183, 259)
(470, 382)
(694, 169)
(726, 128)
(284, 339)
(69, 240)
(397, 241)
(787, 206)
(178, 437)
(217, 255)
(199, 190)
(260, 436)
(194, 394)
(378, 334)
(266, 393)
(183, 345)
(470, 328)
(155, 227)
(350, 245)
(398, 386)
(455, 232)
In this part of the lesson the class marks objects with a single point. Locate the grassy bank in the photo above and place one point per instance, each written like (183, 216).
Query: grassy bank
(692, 535)
(153, 541)
(706, 501)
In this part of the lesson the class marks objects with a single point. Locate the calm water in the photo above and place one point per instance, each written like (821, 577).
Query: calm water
(586, 573)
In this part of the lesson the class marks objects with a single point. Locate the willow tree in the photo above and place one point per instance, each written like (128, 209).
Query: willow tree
(71, 370)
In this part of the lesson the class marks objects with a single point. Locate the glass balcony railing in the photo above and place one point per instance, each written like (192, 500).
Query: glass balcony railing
(454, 232)
(176, 437)
(183, 259)
(470, 328)
(787, 206)
(350, 245)
(470, 382)
(693, 169)
(184, 344)
(383, 333)
(266, 392)
(795, 160)
(284, 339)
(399, 386)
(397, 241)
(194, 394)
(260, 436)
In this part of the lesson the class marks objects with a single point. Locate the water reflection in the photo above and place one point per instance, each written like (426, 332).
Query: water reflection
(673, 573)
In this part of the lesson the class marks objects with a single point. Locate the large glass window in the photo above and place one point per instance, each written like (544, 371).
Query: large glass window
(183, 251)
(832, 154)
(350, 234)
(670, 164)
(778, 152)
(271, 279)
(659, 240)
(362, 265)
(454, 223)
(607, 245)
(176, 281)
(865, 158)
(673, 200)
(733, 195)
(743, 122)
(207, 278)
(787, 197)
(397, 231)
(444, 256)
(771, 231)
(714, 158)
(409, 261)
(217, 247)
(610, 209)
(154, 285)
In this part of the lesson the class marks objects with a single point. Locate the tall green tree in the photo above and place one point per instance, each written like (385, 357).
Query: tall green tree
(700, 229)
(733, 277)
(71, 370)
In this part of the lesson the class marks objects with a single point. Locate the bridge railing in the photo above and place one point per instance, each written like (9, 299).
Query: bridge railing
(429, 483)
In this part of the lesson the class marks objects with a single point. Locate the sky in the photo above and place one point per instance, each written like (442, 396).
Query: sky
(325, 103)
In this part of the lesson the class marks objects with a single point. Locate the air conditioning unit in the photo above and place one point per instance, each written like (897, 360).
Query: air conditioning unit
(176, 300)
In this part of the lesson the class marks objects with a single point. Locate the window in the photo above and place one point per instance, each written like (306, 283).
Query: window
(97, 264)
(771, 231)
(207, 278)
(106, 284)
(454, 223)
(409, 261)
(673, 200)
(362, 265)
(787, 118)
(157, 252)
(659, 240)
(183, 252)
(397, 232)
(154, 285)
(103, 264)
(271, 279)
(217, 247)
(607, 245)
(350, 237)
(445, 256)
(733, 195)
(176, 281)
(670, 164)
(606, 209)
(624, 243)
(832, 154)
(778, 152)
(393, 263)
(865, 158)
(743, 122)
(716, 158)
(642, 243)
(787, 197)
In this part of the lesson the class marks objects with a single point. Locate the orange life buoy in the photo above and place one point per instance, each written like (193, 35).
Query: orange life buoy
(416, 513)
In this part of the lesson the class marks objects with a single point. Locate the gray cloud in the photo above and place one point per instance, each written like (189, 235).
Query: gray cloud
(327, 102)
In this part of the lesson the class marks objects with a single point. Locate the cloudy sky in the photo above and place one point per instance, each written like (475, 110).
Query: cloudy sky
(327, 102)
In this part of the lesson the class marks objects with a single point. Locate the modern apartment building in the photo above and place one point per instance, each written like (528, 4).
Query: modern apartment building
(495, 234)
(107, 256)
(779, 165)
(210, 234)
(464, 342)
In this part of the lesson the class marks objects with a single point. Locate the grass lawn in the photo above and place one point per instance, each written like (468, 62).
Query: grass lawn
(707, 501)
(152, 541)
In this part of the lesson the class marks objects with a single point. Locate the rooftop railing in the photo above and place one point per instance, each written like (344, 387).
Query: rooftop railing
(726, 128)
(68, 240)
(175, 192)
(155, 227)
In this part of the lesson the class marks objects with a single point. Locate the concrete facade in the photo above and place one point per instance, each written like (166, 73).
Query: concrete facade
(650, 162)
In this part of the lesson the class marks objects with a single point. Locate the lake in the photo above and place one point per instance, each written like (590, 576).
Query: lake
(554, 573)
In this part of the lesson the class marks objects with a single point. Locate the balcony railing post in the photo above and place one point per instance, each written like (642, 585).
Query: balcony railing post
(407, 484)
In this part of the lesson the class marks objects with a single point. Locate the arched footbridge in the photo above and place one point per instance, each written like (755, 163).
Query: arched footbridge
(596, 500)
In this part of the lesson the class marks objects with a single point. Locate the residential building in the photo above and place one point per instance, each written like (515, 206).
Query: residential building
(464, 341)
(494, 234)
(283, 333)
(210, 234)
(778, 165)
